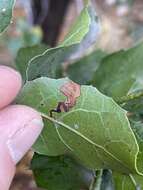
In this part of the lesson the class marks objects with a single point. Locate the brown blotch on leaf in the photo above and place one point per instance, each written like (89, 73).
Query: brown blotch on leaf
(72, 91)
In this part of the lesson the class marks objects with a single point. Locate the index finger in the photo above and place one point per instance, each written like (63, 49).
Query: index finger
(10, 84)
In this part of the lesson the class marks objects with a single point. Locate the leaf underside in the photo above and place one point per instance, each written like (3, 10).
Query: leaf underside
(96, 125)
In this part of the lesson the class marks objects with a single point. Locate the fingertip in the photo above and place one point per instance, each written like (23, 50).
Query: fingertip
(7, 168)
(10, 84)
(21, 127)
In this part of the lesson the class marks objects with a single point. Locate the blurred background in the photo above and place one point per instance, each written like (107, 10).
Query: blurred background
(48, 21)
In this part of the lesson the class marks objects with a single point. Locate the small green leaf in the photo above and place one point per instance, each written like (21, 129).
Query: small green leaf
(49, 63)
(82, 71)
(95, 130)
(6, 7)
(58, 173)
(121, 73)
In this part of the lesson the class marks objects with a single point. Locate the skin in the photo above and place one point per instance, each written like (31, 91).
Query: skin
(17, 123)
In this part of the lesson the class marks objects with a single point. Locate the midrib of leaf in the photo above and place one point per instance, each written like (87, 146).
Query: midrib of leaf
(64, 43)
(70, 37)
(85, 138)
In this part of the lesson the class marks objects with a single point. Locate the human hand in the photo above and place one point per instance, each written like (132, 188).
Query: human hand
(19, 126)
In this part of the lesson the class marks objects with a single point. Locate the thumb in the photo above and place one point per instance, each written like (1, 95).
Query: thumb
(19, 128)
(7, 167)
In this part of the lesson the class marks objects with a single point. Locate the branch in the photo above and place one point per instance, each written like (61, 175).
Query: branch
(129, 97)
(137, 187)
(96, 182)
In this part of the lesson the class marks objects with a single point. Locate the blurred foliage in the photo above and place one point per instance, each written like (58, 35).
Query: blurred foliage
(129, 2)
(85, 67)
(61, 173)
(21, 35)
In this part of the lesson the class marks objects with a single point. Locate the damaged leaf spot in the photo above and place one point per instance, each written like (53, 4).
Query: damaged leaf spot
(72, 91)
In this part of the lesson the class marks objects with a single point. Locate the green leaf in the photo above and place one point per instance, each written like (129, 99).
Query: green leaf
(24, 55)
(121, 73)
(49, 63)
(95, 130)
(82, 71)
(6, 7)
(61, 173)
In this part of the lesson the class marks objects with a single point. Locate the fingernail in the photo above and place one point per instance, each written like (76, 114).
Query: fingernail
(23, 139)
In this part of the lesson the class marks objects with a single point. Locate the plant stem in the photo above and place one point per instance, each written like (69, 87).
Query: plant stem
(137, 187)
(129, 97)
(53, 120)
(96, 182)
